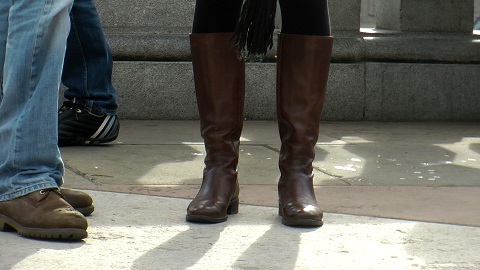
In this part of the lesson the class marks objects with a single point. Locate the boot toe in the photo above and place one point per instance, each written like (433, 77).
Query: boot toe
(301, 215)
(207, 208)
(206, 212)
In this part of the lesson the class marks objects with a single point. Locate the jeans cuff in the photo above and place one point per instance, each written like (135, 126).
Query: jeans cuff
(27, 190)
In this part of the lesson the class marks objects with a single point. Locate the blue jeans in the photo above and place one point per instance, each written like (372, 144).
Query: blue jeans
(33, 35)
(87, 72)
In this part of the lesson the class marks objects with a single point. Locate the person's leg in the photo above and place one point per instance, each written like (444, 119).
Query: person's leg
(220, 88)
(4, 7)
(306, 17)
(216, 16)
(305, 47)
(89, 114)
(28, 124)
(87, 72)
(31, 167)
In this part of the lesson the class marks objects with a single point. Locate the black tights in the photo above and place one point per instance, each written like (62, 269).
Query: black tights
(300, 17)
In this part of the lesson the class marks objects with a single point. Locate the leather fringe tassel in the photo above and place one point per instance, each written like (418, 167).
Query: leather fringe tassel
(254, 32)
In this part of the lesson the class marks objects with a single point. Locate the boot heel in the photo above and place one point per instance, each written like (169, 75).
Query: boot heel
(233, 207)
(280, 212)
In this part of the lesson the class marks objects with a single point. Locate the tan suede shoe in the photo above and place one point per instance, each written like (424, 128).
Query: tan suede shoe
(81, 201)
(43, 214)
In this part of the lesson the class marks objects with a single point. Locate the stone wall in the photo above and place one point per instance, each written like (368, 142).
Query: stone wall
(477, 8)
(419, 64)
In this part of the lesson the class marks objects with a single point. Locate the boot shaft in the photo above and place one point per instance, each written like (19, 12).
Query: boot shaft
(219, 77)
(302, 74)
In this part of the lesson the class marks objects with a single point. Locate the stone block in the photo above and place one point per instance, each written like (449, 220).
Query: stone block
(165, 90)
(345, 92)
(422, 92)
(155, 90)
(421, 47)
(477, 8)
(345, 15)
(158, 30)
(425, 15)
(163, 16)
(344, 100)
(356, 91)
(260, 84)
(143, 46)
(170, 16)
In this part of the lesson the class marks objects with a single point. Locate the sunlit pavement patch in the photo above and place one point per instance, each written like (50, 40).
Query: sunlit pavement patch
(145, 232)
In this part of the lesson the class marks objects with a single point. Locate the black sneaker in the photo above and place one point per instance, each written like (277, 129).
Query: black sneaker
(78, 126)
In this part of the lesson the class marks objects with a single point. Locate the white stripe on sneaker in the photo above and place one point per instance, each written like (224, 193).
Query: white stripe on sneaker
(107, 129)
(102, 126)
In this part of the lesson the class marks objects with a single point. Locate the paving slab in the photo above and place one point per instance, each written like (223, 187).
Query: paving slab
(172, 164)
(412, 171)
(450, 205)
(130, 231)
(399, 163)
(408, 154)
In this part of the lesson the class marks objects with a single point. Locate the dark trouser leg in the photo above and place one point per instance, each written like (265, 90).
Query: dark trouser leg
(87, 72)
(306, 17)
(216, 16)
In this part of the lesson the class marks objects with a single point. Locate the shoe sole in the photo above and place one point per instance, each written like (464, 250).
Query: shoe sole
(307, 223)
(80, 141)
(205, 219)
(68, 234)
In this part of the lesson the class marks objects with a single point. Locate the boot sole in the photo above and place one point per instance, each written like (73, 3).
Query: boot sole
(70, 234)
(231, 210)
(302, 223)
(205, 219)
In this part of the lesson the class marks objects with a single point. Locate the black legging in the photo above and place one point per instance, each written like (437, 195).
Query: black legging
(301, 17)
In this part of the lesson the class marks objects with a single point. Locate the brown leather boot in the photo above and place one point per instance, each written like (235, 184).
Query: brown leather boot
(43, 214)
(302, 74)
(81, 201)
(220, 89)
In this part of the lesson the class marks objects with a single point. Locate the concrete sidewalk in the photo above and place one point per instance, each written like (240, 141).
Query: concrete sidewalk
(397, 196)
